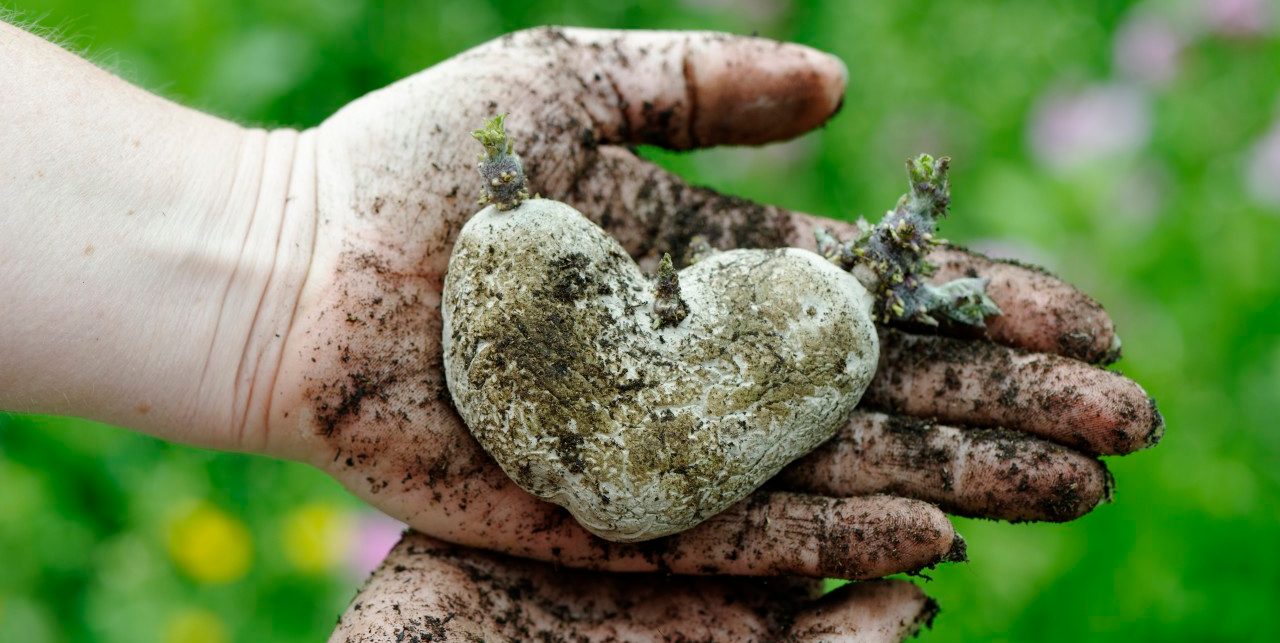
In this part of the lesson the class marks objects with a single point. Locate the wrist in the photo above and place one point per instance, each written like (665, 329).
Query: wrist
(263, 285)
(150, 255)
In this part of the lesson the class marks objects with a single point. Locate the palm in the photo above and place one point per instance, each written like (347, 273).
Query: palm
(361, 392)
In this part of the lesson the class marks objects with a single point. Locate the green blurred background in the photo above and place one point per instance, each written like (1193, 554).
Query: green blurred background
(1133, 147)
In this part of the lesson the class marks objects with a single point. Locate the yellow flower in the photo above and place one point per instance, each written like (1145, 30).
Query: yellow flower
(316, 537)
(209, 545)
(195, 626)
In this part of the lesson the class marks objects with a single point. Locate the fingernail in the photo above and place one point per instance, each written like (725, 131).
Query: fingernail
(930, 611)
(959, 552)
(1113, 353)
(1108, 486)
(1156, 432)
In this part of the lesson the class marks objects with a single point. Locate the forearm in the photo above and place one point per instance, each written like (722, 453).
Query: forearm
(150, 255)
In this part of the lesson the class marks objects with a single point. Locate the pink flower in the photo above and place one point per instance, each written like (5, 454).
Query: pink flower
(1237, 18)
(1147, 49)
(1072, 129)
(375, 535)
(1262, 175)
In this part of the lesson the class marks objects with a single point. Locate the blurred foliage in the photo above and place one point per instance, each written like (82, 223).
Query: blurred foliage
(1134, 148)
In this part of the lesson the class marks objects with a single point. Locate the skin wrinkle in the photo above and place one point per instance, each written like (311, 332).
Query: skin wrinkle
(213, 337)
(691, 94)
(625, 131)
(959, 466)
(247, 390)
(304, 146)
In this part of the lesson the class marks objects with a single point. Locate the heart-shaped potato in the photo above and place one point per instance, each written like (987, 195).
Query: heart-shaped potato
(557, 363)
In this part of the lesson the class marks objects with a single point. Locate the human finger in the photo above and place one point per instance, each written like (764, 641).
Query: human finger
(978, 383)
(989, 473)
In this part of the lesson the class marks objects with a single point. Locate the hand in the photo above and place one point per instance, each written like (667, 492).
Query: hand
(427, 590)
(360, 391)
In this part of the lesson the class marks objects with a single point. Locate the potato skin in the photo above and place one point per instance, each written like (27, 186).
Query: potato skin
(555, 361)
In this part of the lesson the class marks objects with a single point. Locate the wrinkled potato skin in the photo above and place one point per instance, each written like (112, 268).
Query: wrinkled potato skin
(555, 361)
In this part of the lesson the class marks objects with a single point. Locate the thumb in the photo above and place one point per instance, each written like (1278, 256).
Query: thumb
(684, 90)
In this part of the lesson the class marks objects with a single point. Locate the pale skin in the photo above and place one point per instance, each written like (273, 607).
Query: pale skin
(278, 293)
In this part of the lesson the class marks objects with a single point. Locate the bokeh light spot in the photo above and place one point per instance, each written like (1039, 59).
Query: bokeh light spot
(209, 545)
(316, 536)
(195, 626)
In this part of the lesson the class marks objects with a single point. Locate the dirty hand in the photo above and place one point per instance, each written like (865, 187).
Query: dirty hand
(360, 391)
(427, 590)
(279, 292)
